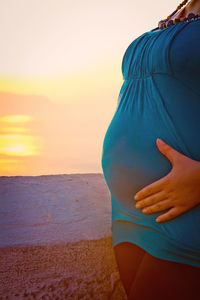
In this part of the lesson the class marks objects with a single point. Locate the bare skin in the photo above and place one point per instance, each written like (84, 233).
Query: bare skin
(179, 190)
(192, 7)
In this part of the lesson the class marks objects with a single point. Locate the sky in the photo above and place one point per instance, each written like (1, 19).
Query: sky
(60, 76)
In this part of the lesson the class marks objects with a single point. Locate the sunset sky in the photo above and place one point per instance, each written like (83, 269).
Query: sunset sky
(60, 76)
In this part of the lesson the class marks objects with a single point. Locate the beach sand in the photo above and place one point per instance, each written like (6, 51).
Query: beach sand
(55, 238)
(80, 270)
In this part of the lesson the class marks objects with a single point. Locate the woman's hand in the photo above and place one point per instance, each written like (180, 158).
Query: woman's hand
(178, 190)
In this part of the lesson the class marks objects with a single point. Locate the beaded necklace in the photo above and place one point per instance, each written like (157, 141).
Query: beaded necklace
(168, 22)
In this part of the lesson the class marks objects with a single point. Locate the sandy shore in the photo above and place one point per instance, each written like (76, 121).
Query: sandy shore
(80, 270)
(55, 238)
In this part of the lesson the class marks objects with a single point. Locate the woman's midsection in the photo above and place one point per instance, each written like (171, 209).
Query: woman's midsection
(130, 158)
(131, 161)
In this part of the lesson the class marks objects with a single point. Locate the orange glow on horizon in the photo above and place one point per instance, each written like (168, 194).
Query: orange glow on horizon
(14, 129)
(16, 118)
(14, 143)
(18, 145)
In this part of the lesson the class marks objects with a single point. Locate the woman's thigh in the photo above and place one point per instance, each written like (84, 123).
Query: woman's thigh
(161, 279)
(128, 257)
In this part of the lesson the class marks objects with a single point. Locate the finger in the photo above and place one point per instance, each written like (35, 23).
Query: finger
(170, 215)
(151, 199)
(152, 188)
(168, 151)
(162, 205)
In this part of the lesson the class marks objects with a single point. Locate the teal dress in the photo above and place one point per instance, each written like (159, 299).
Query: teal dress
(159, 98)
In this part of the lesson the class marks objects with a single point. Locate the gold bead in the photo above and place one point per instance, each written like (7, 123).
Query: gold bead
(176, 20)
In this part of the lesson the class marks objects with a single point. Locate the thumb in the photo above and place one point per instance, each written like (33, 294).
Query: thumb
(167, 150)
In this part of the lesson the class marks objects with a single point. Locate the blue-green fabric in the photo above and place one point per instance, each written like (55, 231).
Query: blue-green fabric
(159, 97)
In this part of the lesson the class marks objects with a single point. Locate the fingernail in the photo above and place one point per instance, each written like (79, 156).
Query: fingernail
(160, 141)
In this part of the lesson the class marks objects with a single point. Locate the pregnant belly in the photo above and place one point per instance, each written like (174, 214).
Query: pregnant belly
(131, 161)
(130, 158)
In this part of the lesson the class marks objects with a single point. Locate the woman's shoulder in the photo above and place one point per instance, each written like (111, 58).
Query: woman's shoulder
(184, 55)
(185, 47)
